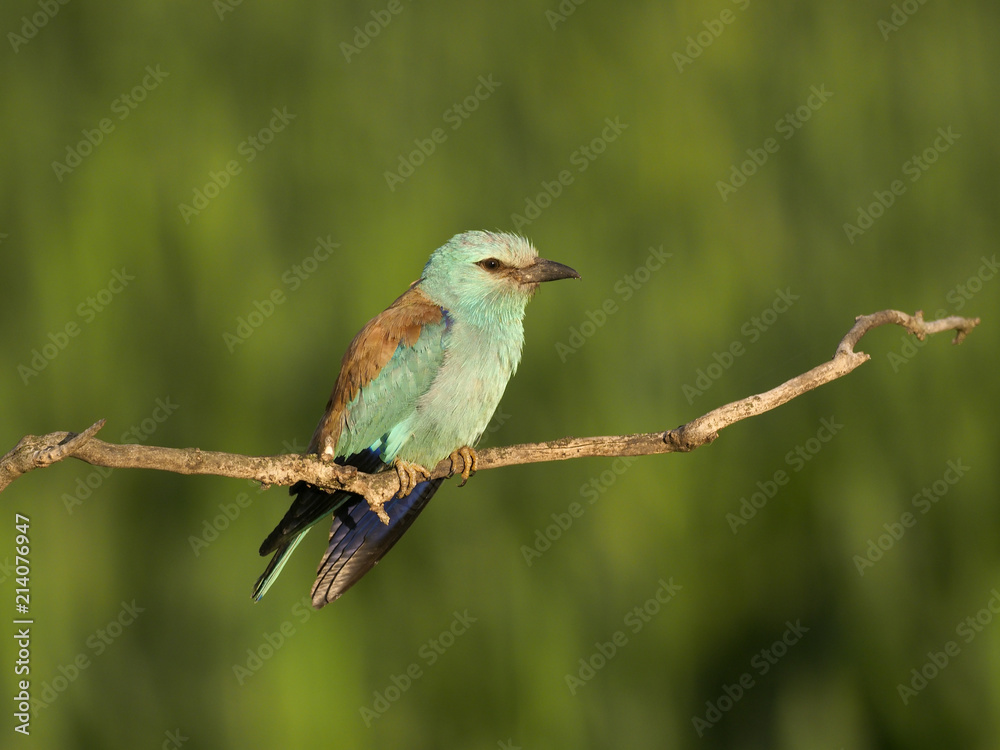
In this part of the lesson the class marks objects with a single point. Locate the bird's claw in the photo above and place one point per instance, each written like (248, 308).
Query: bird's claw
(408, 474)
(469, 462)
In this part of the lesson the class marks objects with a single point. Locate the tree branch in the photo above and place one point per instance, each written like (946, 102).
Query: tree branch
(33, 452)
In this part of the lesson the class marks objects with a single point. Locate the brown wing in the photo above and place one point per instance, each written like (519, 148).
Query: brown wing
(368, 353)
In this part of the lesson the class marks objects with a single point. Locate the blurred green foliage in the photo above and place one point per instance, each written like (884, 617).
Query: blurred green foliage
(154, 102)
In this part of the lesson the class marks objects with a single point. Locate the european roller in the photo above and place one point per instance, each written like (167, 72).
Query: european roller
(418, 384)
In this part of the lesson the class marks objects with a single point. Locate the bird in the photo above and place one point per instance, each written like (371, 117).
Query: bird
(418, 384)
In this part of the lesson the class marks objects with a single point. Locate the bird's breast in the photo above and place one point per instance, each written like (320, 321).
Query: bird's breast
(458, 406)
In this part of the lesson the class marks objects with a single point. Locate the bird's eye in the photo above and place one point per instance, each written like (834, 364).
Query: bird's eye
(491, 264)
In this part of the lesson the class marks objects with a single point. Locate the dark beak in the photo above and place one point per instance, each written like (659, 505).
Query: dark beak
(545, 270)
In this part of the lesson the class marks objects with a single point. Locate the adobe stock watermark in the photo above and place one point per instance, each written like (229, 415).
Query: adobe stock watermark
(123, 106)
(271, 643)
(787, 126)
(624, 289)
(427, 656)
(796, 460)
(703, 39)
(96, 644)
(454, 117)
(592, 491)
(922, 502)
(140, 432)
(172, 738)
(637, 618)
(901, 13)
(7, 569)
(957, 297)
(497, 421)
(223, 8)
(363, 35)
(914, 168)
(31, 25)
(967, 629)
(581, 158)
(760, 664)
(249, 149)
(211, 528)
(562, 12)
(87, 311)
(752, 330)
(292, 280)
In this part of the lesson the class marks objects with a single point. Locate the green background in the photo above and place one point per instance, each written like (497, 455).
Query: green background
(170, 674)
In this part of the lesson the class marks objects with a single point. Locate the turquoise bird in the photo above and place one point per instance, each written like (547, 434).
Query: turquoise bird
(418, 384)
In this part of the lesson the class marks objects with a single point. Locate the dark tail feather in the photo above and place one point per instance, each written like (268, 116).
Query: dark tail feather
(358, 540)
(310, 506)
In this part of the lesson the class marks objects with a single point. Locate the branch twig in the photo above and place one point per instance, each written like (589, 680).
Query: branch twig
(33, 452)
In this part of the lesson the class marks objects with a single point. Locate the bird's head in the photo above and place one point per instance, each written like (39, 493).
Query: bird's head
(485, 274)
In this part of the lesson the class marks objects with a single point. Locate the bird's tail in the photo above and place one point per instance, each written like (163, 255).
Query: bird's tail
(311, 506)
(273, 569)
(358, 540)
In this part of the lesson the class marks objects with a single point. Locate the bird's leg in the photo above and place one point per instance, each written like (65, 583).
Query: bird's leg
(408, 473)
(470, 462)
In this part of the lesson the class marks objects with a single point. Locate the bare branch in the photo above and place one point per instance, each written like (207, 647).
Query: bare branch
(37, 451)
(33, 452)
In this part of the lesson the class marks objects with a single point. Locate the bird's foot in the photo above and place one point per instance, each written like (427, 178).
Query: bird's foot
(469, 462)
(408, 473)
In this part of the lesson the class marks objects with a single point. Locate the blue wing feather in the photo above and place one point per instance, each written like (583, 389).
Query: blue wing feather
(358, 540)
